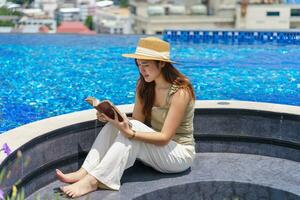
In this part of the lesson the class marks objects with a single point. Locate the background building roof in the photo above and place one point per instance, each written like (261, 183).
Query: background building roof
(74, 27)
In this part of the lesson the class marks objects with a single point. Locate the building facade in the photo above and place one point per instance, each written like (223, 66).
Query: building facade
(153, 17)
(68, 14)
(113, 20)
(268, 16)
(34, 25)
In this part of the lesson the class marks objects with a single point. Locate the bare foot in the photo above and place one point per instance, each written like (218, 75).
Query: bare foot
(82, 187)
(71, 177)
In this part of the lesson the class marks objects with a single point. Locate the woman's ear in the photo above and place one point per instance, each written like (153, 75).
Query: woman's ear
(161, 64)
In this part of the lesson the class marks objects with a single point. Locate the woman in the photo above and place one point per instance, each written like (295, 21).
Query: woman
(165, 98)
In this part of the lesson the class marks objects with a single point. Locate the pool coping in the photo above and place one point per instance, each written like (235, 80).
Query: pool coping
(18, 136)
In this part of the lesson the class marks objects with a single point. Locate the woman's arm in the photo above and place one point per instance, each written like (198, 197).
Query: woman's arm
(138, 109)
(179, 103)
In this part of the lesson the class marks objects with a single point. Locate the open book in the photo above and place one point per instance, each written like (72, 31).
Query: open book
(105, 107)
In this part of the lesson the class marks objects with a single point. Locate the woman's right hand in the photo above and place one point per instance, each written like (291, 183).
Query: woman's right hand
(100, 117)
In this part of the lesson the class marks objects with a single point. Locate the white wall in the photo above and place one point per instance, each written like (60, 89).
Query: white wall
(107, 21)
(5, 29)
(256, 17)
(33, 25)
(50, 8)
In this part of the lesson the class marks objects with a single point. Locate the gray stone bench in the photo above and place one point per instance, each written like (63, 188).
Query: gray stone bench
(212, 176)
(216, 131)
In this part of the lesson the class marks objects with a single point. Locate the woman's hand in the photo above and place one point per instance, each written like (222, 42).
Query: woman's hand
(124, 126)
(100, 117)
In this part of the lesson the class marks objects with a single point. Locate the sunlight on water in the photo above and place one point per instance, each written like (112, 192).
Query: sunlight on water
(47, 75)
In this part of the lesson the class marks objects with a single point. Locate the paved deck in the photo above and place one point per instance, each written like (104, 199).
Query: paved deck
(140, 182)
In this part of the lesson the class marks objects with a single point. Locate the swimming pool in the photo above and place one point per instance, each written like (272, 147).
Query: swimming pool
(47, 75)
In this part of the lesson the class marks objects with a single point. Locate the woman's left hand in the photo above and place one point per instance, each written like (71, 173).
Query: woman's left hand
(122, 126)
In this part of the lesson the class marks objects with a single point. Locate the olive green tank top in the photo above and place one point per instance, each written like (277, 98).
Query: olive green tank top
(184, 133)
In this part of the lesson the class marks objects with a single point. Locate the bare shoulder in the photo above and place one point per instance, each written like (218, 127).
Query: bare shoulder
(181, 95)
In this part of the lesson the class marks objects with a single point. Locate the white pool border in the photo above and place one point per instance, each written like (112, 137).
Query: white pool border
(16, 137)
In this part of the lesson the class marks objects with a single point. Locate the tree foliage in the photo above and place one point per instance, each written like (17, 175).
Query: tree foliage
(5, 11)
(124, 3)
(6, 23)
(25, 3)
(89, 22)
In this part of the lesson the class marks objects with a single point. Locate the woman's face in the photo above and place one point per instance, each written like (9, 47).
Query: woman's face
(149, 69)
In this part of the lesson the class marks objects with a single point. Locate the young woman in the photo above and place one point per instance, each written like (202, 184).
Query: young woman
(165, 99)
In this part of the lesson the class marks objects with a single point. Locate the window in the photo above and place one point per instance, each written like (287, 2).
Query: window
(167, 10)
(132, 9)
(295, 12)
(273, 13)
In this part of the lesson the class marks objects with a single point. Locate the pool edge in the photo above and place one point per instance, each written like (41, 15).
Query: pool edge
(38, 128)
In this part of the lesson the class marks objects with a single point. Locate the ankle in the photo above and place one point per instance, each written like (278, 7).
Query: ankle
(82, 171)
(93, 181)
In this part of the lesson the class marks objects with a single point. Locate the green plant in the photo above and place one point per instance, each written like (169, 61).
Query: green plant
(19, 194)
(5, 11)
(89, 22)
(15, 195)
(123, 3)
(25, 3)
(6, 149)
(6, 23)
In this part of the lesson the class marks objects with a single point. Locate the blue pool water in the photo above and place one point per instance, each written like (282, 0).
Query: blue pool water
(47, 75)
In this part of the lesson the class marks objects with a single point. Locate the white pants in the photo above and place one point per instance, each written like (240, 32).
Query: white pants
(112, 153)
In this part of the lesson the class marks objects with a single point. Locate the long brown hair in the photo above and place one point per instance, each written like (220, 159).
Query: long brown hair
(146, 90)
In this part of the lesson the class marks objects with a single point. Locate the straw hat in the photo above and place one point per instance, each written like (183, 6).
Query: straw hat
(151, 48)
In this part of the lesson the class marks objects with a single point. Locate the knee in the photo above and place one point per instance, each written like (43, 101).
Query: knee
(123, 140)
(135, 122)
(108, 124)
(108, 127)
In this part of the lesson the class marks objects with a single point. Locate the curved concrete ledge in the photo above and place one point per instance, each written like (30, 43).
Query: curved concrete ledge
(19, 136)
(224, 127)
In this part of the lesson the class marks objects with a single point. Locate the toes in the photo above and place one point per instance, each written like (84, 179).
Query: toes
(69, 193)
(58, 172)
(73, 195)
(66, 189)
(62, 188)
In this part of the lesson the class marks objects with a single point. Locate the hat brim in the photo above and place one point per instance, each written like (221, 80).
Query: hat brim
(137, 56)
